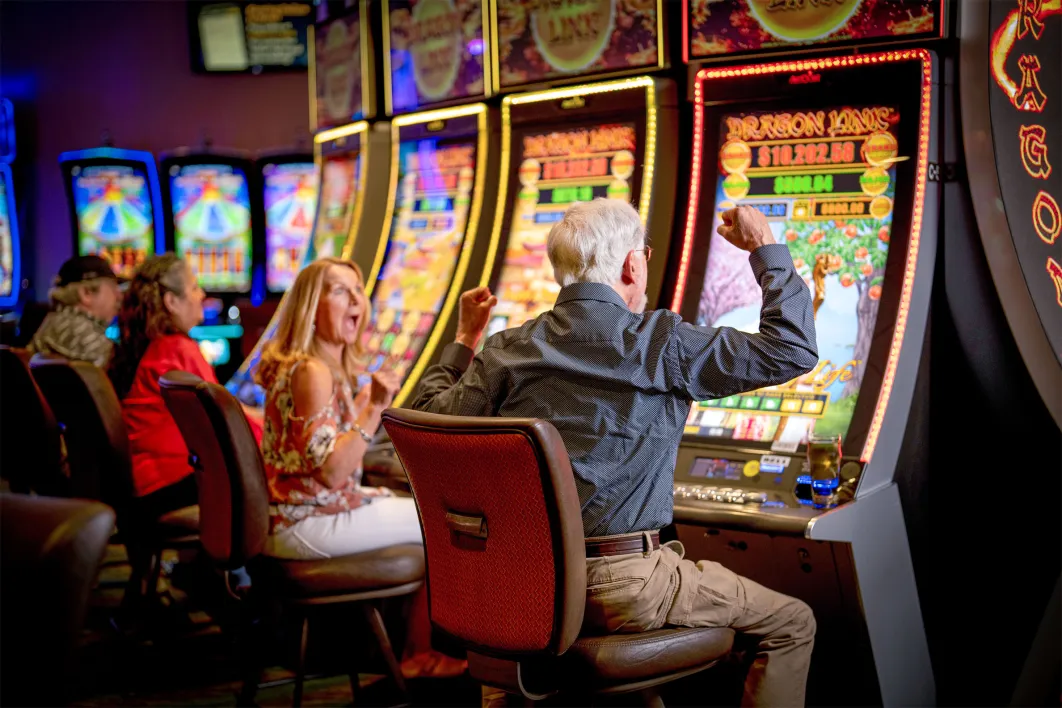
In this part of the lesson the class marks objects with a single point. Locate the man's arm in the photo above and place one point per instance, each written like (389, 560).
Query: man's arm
(455, 386)
(716, 362)
(458, 384)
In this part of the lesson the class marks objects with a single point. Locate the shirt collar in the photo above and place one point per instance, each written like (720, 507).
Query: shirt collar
(74, 311)
(590, 291)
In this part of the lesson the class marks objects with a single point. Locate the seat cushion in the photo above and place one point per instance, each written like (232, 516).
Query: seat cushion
(361, 572)
(629, 658)
(179, 525)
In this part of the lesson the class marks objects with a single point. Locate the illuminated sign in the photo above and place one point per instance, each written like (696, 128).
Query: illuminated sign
(1026, 112)
(436, 51)
(540, 40)
(717, 28)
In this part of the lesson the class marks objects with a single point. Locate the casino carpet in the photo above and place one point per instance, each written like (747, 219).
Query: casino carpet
(188, 659)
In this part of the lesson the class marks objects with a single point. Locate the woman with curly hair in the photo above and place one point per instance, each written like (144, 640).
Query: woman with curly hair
(163, 303)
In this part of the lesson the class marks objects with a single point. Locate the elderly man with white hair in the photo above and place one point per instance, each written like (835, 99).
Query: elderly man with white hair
(617, 383)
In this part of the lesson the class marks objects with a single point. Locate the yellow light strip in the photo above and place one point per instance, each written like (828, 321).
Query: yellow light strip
(341, 132)
(471, 229)
(921, 55)
(642, 82)
(661, 50)
(311, 45)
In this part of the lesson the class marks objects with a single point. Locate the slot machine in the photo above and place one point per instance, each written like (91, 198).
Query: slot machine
(10, 245)
(835, 150)
(212, 225)
(115, 205)
(347, 149)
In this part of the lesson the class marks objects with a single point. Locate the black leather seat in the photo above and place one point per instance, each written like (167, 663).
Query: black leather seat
(50, 551)
(32, 456)
(234, 523)
(507, 563)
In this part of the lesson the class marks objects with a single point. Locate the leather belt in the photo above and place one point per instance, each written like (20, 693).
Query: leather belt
(622, 544)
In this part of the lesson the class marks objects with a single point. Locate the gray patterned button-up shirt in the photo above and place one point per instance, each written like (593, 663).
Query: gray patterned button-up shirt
(618, 385)
(75, 334)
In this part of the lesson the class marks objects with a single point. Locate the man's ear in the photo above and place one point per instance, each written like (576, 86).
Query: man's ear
(84, 295)
(630, 265)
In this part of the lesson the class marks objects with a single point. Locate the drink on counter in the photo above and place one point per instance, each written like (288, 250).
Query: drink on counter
(824, 461)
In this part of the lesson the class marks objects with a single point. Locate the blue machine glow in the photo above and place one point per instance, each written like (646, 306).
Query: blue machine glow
(10, 255)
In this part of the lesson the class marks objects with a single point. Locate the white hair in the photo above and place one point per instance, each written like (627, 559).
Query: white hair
(591, 242)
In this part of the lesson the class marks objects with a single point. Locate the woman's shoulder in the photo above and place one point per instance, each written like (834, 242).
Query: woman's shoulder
(310, 372)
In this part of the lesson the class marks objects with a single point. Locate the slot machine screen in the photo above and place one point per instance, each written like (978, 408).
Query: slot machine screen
(556, 168)
(7, 255)
(435, 183)
(212, 224)
(290, 197)
(826, 180)
(339, 180)
(114, 214)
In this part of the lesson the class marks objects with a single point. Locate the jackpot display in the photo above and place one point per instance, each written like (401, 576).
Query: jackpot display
(290, 200)
(114, 213)
(826, 180)
(340, 174)
(723, 28)
(556, 168)
(435, 182)
(212, 224)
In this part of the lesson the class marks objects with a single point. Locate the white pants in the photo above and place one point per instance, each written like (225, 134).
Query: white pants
(386, 521)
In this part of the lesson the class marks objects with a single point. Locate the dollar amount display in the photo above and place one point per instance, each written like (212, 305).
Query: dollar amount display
(566, 195)
(841, 208)
(838, 153)
(803, 184)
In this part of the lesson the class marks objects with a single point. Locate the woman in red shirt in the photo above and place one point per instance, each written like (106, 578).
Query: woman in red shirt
(163, 303)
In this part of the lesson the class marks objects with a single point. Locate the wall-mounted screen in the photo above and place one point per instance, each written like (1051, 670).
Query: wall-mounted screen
(437, 52)
(290, 200)
(542, 41)
(249, 36)
(722, 28)
(115, 218)
(826, 180)
(212, 224)
(338, 70)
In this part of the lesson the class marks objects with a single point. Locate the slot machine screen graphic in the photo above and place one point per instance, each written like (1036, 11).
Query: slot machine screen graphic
(290, 196)
(339, 182)
(212, 224)
(114, 215)
(556, 169)
(427, 232)
(7, 262)
(826, 180)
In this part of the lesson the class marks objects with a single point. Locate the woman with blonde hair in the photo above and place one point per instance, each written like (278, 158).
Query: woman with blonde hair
(319, 423)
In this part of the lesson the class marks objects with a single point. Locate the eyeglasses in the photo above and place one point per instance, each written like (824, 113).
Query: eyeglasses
(647, 250)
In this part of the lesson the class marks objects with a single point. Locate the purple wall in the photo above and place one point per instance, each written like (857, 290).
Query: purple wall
(74, 69)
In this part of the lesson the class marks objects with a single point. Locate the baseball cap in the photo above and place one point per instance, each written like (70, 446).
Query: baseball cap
(82, 268)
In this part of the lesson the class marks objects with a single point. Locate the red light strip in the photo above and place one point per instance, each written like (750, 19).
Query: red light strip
(921, 55)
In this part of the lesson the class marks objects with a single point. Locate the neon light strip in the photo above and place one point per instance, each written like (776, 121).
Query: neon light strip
(646, 83)
(11, 299)
(148, 161)
(341, 132)
(471, 227)
(920, 55)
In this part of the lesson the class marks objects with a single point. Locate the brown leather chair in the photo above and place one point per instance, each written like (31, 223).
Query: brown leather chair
(234, 523)
(50, 551)
(31, 448)
(507, 563)
(86, 405)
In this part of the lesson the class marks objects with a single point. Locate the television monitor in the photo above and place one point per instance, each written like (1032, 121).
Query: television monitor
(289, 192)
(211, 211)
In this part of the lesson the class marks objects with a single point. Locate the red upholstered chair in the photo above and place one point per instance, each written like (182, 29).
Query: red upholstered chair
(50, 551)
(31, 447)
(234, 522)
(87, 408)
(507, 562)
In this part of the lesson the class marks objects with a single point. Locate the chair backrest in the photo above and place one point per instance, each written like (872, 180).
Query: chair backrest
(50, 551)
(90, 414)
(233, 499)
(503, 535)
(31, 448)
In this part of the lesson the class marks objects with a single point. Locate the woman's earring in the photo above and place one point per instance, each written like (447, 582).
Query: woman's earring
(313, 326)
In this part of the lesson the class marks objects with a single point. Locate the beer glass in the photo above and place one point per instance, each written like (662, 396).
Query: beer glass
(824, 461)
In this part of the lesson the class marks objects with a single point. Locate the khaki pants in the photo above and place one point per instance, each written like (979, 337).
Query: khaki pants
(640, 592)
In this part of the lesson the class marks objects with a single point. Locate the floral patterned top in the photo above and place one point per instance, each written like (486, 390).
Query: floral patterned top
(295, 448)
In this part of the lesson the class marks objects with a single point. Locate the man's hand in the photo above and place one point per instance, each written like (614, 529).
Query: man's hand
(746, 228)
(473, 315)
